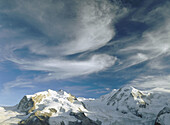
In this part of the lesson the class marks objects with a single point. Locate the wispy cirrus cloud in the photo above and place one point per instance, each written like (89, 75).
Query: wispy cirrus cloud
(154, 43)
(159, 83)
(147, 54)
(39, 35)
(65, 39)
(60, 69)
(19, 82)
(153, 47)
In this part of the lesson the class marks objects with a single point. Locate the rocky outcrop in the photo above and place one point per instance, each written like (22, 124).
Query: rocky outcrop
(163, 117)
(71, 98)
(82, 119)
(37, 118)
(26, 105)
(62, 123)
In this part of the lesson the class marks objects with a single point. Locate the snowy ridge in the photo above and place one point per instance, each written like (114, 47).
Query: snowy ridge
(127, 105)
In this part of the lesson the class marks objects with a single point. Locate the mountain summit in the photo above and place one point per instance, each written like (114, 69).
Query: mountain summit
(127, 105)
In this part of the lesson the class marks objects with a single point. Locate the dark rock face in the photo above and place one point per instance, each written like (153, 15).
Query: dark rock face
(83, 120)
(34, 120)
(159, 120)
(37, 118)
(62, 123)
(26, 105)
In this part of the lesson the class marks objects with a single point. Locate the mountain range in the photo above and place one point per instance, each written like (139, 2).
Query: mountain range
(124, 106)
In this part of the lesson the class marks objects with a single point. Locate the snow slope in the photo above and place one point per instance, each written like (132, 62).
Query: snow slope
(125, 106)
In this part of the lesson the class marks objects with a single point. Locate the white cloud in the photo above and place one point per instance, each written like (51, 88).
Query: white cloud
(60, 69)
(131, 61)
(152, 83)
(95, 27)
(160, 63)
(58, 29)
(154, 43)
(88, 25)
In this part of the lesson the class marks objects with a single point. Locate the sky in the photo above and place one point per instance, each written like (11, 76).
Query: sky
(85, 47)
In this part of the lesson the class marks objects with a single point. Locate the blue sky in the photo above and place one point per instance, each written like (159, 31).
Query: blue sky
(86, 47)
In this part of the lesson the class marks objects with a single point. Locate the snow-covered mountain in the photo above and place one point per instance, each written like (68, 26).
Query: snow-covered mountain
(125, 106)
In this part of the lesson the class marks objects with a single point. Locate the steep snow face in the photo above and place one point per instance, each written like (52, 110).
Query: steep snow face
(58, 105)
(139, 103)
(129, 99)
(123, 106)
(50, 98)
(130, 95)
(128, 106)
(41, 100)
